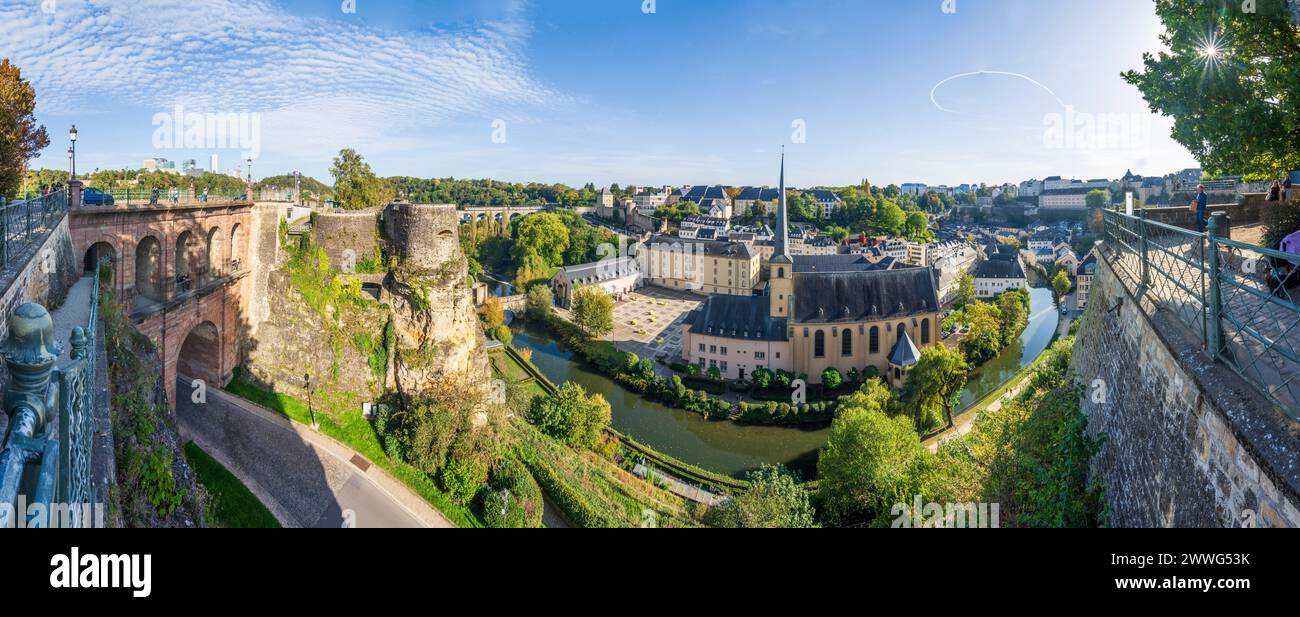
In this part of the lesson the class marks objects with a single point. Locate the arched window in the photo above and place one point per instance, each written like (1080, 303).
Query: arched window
(846, 343)
(902, 329)
(874, 341)
(780, 273)
(819, 345)
(925, 331)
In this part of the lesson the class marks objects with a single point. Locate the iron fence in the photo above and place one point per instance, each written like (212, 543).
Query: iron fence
(1241, 301)
(137, 196)
(27, 221)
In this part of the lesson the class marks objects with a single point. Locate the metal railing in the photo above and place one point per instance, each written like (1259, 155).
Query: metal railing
(164, 196)
(27, 221)
(59, 453)
(1241, 301)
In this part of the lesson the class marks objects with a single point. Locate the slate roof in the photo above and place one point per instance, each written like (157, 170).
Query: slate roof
(701, 193)
(823, 195)
(739, 317)
(711, 248)
(754, 193)
(905, 352)
(1000, 269)
(600, 271)
(832, 263)
(863, 296)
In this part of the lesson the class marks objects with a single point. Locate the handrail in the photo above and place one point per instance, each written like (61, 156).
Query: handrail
(1242, 300)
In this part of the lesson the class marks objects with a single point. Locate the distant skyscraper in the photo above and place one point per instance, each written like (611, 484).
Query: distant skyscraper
(216, 166)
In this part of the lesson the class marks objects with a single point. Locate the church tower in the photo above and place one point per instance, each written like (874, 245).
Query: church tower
(781, 267)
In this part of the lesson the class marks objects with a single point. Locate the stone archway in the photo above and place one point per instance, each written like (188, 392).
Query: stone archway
(200, 355)
(215, 265)
(148, 270)
(236, 251)
(96, 253)
(186, 262)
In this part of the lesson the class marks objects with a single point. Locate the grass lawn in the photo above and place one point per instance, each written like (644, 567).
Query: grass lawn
(344, 423)
(505, 367)
(232, 504)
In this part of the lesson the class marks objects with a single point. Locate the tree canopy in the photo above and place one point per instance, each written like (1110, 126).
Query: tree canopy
(21, 139)
(355, 185)
(1228, 79)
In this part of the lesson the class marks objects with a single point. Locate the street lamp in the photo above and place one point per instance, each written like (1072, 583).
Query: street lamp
(297, 186)
(72, 151)
(310, 409)
(72, 170)
(250, 171)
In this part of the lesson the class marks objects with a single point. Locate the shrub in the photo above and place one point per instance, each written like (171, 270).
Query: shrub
(515, 488)
(762, 378)
(462, 479)
(503, 334)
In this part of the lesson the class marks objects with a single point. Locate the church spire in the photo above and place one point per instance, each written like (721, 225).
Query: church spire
(779, 254)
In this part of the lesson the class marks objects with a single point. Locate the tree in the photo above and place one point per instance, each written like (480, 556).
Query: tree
(539, 302)
(917, 226)
(355, 185)
(1061, 285)
(762, 378)
(571, 416)
(1097, 199)
(985, 338)
(21, 139)
(965, 289)
(532, 272)
(1229, 80)
(934, 383)
(774, 501)
(514, 500)
(866, 466)
(1014, 306)
(593, 311)
(493, 312)
(889, 219)
(543, 234)
(831, 378)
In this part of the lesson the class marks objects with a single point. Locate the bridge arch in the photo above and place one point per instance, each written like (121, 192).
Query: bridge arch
(200, 355)
(215, 261)
(236, 246)
(97, 252)
(149, 269)
(186, 261)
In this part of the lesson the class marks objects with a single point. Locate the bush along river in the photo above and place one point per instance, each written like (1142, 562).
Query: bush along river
(733, 449)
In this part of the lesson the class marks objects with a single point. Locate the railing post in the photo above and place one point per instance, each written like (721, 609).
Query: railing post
(1214, 301)
(1142, 240)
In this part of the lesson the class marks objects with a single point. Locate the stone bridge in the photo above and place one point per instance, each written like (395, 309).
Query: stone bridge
(179, 269)
(496, 214)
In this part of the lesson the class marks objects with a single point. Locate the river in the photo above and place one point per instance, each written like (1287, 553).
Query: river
(733, 449)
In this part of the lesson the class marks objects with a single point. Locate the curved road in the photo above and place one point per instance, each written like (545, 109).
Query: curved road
(304, 478)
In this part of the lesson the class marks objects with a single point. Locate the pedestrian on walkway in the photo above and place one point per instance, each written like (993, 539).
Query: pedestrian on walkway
(1286, 188)
(1200, 204)
(1275, 191)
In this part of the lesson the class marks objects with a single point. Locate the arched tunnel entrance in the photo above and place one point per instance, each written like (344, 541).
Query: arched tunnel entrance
(200, 355)
(96, 253)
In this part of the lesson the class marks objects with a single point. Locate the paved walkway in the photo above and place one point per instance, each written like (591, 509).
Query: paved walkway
(75, 311)
(306, 479)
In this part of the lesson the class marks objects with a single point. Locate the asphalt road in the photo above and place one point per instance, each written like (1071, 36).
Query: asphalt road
(302, 483)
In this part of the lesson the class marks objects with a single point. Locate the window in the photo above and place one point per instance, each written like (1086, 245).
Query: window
(819, 345)
(723, 366)
(925, 331)
(875, 339)
(758, 355)
(846, 343)
(780, 273)
(701, 347)
(724, 351)
(805, 332)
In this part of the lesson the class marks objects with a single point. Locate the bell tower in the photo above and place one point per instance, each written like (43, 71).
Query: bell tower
(781, 268)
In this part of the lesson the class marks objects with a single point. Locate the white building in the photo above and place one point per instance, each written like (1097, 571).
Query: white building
(915, 188)
(996, 276)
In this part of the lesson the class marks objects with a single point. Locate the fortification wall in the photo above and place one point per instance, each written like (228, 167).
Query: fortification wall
(1188, 443)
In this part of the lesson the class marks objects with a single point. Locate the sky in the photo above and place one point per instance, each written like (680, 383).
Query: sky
(644, 92)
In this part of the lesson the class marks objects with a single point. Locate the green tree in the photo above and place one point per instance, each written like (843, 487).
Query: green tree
(934, 384)
(355, 185)
(21, 139)
(1228, 79)
(532, 272)
(762, 378)
(774, 501)
(965, 289)
(889, 219)
(985, 338)
(543, 234)
(593, 311)
(571, 416)
(1014, 306)
(867, 465)
(539, 302)
(493, 313)
(1061, 285)
(831, 378)
(1097, 199)
(917, 227)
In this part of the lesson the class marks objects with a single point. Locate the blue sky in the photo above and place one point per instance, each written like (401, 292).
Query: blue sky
(699, 91)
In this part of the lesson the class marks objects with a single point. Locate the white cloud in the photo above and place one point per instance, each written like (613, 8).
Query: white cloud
(316, 81)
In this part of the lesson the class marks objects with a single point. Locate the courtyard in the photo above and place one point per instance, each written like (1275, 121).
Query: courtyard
(649, 322)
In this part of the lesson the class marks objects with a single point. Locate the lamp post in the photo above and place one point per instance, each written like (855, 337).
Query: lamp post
(250, 171)
(310, 408)
(297, 186)
(72, 151)
(72, 172)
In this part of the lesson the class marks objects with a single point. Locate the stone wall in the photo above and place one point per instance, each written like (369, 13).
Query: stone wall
(41, 273)
(1187, 442)
(422, 237)
(347, 237)
(1252, 209)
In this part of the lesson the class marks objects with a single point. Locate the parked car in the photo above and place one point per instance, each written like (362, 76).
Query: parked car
(95, 197)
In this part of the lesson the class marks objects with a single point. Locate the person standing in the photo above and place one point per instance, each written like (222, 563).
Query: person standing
(1275, 191)
(1202, 203)
(1286, 188)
